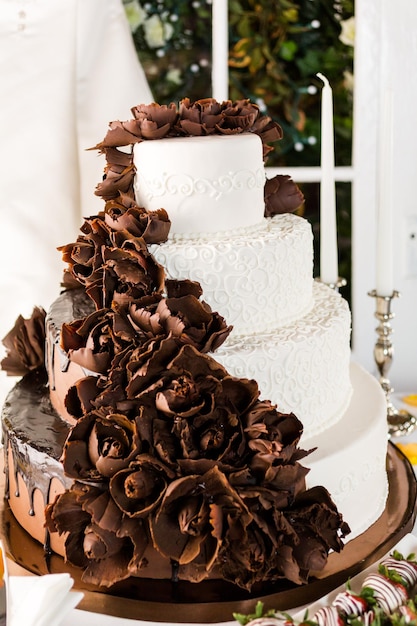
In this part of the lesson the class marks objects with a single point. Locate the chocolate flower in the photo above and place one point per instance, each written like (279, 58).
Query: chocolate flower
(80, 397)
(314, 514)
(238, 116)
(94, 341)
(25, 344)
(119, 175)
(156, 121)
(281, 195)
(108, 545)
(151, 121)
(274, 438)
(193, 408)
(112, 264)
(269, 131)
(199, 406)
(200, 117)
(193, 519)
(182, 315)
(139, 488)
(123, 214)
(100, 444)
(284, 541)
(265, 551)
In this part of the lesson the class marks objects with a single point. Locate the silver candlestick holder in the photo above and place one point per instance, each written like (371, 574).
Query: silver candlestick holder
(341, 282)
(400, 422)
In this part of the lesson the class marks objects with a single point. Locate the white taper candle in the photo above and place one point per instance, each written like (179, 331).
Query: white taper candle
(220, 47)
(384, 238)
(329, 271)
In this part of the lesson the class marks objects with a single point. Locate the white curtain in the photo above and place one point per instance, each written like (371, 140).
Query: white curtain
(67, 68)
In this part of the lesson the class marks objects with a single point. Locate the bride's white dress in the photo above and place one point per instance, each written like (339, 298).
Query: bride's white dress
(67, 68)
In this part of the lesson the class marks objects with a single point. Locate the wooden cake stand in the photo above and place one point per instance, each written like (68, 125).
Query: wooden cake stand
(143, 599)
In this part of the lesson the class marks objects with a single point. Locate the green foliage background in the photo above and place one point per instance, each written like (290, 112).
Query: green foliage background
(276, 48)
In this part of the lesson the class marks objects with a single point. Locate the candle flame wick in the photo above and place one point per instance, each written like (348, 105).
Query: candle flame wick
(323, 78)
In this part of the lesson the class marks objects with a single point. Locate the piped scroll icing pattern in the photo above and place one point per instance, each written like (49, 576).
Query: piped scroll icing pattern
(258, 282)
(186, 185)
(302, 367)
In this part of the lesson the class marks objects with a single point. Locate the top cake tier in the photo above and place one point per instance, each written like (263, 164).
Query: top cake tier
(209, 184)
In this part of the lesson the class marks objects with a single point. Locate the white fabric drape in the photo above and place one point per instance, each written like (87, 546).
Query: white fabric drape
(67, 68)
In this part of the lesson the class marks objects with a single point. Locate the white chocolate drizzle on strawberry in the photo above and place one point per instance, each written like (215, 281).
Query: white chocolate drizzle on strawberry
(406, 569)
(387, 594)
(327, 616)
(349, 604)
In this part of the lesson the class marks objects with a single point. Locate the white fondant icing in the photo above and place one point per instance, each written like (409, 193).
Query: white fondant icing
(350, 459)
(207, 184)
(257, 280)
(302, 367)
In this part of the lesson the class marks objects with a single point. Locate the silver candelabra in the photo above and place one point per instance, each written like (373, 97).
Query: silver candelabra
(400, 422)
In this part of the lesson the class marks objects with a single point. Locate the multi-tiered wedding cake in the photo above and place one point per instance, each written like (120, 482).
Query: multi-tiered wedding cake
(189, 353)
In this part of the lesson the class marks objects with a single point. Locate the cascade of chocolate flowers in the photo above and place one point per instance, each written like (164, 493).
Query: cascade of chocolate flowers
(169, 452)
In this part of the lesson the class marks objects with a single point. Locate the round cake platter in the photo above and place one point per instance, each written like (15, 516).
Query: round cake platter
(145, 600)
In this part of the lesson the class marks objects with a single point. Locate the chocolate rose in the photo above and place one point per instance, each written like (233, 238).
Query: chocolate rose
(153, 365)
(156, 120)
(260, 553)
(200, 405)
(151, 121)
(139, 488)
(200, 117)
(25, 344)
(93, 342)
(123, 214)
(112, 265)
(84, 257)
(108, 545)
(182, 315)
(287, 538)
(119, 175)
(238, 116)
(193, 407)
(281, 195)
(274, 438)
(269, 131)
(194, 519)
(100, 444)
(81, 396)
(315, 514)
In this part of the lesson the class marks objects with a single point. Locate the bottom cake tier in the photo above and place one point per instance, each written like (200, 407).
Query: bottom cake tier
(146, 601)
(350, 459)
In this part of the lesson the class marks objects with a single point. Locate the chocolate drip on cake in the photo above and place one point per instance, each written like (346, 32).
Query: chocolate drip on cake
(35, 434)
